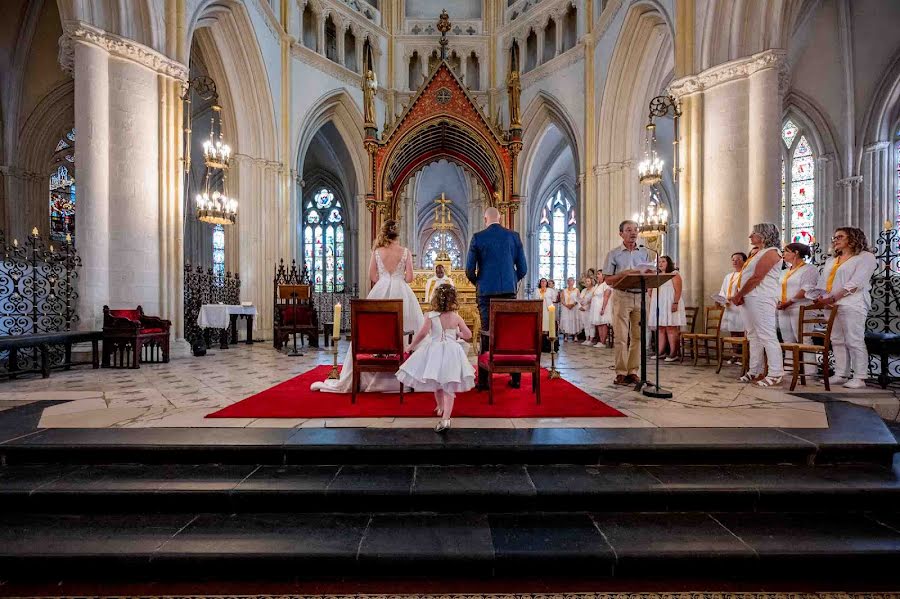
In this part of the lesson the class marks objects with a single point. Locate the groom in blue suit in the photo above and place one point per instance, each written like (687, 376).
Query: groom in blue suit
(495, 265)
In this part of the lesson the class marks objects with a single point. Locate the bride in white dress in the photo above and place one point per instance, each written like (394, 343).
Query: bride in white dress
(391, 269)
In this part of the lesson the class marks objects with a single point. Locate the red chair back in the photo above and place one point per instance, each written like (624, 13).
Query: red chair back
(376, 326)
(516, 327)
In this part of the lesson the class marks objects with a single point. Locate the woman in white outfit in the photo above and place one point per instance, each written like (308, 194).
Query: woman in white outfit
(601, 310)
(733, 318)
(390, 268)
(584, 310)
(758, 285)
(846, 281)
(671, 311)
(568, 308)
(548, 295)
(799, 278)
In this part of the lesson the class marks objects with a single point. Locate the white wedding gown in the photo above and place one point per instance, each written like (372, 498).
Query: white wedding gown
(389, 286)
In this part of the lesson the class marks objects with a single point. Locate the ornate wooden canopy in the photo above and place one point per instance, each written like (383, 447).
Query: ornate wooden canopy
(442, 121)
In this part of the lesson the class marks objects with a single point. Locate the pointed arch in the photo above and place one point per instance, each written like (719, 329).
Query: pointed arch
(543, 111)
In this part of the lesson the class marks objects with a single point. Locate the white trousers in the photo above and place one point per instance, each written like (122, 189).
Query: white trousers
(760, 321)
(848, 340)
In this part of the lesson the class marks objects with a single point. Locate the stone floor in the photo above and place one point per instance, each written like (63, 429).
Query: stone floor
(181, 393)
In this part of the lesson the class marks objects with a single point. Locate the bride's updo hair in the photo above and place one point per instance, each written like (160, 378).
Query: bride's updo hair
(389, 232)
(444, 299)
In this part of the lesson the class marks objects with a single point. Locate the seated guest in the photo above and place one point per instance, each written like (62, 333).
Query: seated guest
(757, 289)
(601, 310)
(671, 311)
(846, 282)
(799, 278)
(439, 278)
(569, 306)
(732, 319)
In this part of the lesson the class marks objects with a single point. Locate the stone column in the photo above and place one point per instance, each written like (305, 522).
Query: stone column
(364, 244)
(558, 19)
(320, 39)
(340, 32)
(171, 204)
(764, 151)
(540, 47)
(92, 93)
(876, 193)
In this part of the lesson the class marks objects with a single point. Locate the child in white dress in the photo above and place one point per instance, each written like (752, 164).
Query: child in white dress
(586, 298)
(441, 366)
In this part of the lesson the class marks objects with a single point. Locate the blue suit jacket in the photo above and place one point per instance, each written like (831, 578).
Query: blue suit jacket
(496, 261)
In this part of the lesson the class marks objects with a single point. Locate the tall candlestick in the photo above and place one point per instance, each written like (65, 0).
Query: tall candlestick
(552, 310)
(336, 332)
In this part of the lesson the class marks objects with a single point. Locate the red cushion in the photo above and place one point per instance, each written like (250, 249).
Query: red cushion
(377, 333)
(151, 330)
(507, 360)
(516, 331)
(373, 359)
(296, 315)
(129, 314)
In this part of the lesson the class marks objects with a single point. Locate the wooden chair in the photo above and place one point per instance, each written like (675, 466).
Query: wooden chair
(713, 328)
(294, 314)
(131, 337)
(687, 337)
(812, 321)
(740, 343)
(376, 327)
(515, 343)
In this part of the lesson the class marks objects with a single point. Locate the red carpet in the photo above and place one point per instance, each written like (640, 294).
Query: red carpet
(293, 399)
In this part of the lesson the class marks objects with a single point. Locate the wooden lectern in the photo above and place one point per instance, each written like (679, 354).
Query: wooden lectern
(643, 282)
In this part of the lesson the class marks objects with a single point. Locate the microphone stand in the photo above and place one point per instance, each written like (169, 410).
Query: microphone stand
(656, 391)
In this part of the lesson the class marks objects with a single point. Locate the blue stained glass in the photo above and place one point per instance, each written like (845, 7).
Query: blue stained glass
(218, 244)
(62, 190)
(557, 240)
(323, 242)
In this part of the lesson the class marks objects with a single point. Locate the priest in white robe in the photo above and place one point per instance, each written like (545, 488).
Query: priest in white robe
(439, 278)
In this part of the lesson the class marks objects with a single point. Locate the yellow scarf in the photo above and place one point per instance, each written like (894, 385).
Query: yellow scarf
(790, 273)
(731, 284)
(834, 268)
(746, 264)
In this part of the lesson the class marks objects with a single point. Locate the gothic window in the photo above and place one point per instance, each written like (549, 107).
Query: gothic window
(415, 71)
(530, 51)
(323, 242)
(549, 41)
(557, 240)
(442, 240)
(473, 68)
(897, 161)
(330, 39)
(350, 51)
(218, 253)
(62, 189)
(310, 28)
(798, 186)
(570, 29)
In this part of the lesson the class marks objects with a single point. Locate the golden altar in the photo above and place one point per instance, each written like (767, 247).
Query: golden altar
(465, 294)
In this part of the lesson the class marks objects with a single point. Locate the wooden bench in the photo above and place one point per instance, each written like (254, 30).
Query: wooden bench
(43, 341)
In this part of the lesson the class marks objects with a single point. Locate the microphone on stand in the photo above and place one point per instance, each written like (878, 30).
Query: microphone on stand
(657, 390)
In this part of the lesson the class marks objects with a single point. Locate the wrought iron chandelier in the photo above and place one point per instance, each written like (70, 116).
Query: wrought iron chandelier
(653, 219)
(214, 204)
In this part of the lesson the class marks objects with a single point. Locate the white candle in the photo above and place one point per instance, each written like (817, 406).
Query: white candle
(552, 310)
(336, 331)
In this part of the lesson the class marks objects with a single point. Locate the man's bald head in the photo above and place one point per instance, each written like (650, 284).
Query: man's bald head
(491, 216)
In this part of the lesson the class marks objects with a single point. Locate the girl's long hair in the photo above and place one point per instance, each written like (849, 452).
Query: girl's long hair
(444, 299)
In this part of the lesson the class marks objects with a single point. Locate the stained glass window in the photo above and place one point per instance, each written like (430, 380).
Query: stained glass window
(447, 241)
(218, 254)
(798, 186)
(557, 240)
(897, 157)
(62, 189)
(323, 242)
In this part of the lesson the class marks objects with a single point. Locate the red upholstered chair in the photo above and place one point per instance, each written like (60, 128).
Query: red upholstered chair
(130, 337)
(515, 344)
(376, 330)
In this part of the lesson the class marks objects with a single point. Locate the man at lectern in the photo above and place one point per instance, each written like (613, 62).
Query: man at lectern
(625, 260)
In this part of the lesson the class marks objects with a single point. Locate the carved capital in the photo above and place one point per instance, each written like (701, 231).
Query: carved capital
(878, 146)
(850, 181)
(120, 47)
(732, 71)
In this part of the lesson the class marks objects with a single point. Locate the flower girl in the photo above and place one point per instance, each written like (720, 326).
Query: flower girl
(441, 366)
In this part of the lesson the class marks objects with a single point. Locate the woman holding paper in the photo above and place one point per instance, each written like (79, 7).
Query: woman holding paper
(568, 306)
(732, 319)
(584, 309)
(846, 282)
(758, 288)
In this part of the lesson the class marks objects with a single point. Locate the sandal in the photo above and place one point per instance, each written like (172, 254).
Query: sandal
(747, 378)
(770, 381)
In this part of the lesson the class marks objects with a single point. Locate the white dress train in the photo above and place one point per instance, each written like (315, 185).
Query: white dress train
(389, 286)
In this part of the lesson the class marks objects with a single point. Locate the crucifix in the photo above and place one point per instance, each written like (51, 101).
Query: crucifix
(442, 222)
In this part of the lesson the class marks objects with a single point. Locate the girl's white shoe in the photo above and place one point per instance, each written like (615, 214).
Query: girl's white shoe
(442, 426)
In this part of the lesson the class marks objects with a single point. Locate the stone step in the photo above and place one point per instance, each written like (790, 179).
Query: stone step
(257, 546)
(855, 434)
(139, 489)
